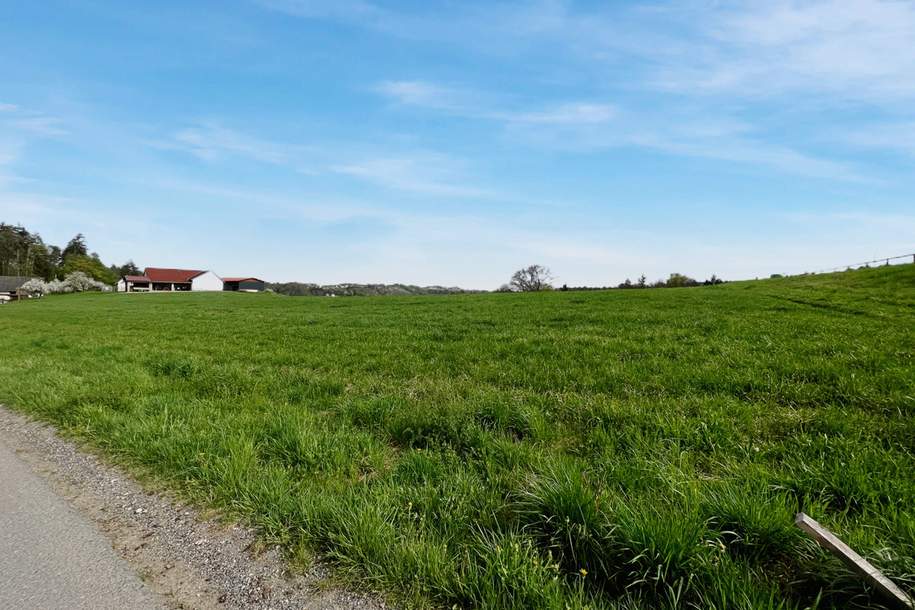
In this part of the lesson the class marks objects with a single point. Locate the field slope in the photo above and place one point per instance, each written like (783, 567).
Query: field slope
(607, 449)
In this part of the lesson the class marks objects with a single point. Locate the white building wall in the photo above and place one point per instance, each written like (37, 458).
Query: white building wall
(122, 285)
(206, 282)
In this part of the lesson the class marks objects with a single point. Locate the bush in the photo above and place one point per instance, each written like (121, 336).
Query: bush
(74, 282)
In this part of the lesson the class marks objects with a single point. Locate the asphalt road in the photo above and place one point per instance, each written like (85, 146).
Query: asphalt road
(52, 557)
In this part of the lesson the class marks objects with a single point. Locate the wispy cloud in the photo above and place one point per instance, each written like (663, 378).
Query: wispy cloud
(8, 152)
(211, 141)
(590, 126)
(347, 10)
(448, 25)
(823, 52)
(892, 136)
(479, 105)
(434, 175)
(28, 123)
(39, 125)
(20, 129)
(570, 113)
(895, 225)
(425, 94)
(751, 152)
(856, 49)
(419, 172)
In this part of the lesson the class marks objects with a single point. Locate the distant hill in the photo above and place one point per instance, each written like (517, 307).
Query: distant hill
(297, 289)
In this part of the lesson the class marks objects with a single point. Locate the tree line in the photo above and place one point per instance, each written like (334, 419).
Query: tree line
(23, 253)
(297, 289)
(535, 278)
(676, 280)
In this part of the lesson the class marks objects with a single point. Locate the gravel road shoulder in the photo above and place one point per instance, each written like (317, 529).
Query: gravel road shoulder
(188, 560)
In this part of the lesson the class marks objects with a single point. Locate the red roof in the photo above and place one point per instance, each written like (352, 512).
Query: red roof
(178, 276)
(241, 279)
(136, 278)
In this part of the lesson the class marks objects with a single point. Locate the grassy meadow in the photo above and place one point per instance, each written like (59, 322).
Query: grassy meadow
(614, 449)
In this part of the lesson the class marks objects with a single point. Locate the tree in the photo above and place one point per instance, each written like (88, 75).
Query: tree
(678, 280)
(128, 268)
(531, 279)
(89, 265)
(24, 253)
(43, 264)
(55, 256)
(75, 247)
(642, 281)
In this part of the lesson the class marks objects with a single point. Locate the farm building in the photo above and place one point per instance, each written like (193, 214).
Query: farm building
(243, 284)
(10, 285)
(133, 283)
(157, 279)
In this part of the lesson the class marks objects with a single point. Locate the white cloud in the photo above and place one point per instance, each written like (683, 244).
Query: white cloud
(890, 225)
(588, 126)
(490, 23)
(345, 10)
(27, 123)
(434, 175)
(759, 153)
(822, 52)
(856, 49)
(479, 105)
(423, 173)
(896, 137)
(39, 125)
(16, 134)
(571, 113)
(8, 152)
(431, 95)
(417, 93)
(210, 141)
(315, 207)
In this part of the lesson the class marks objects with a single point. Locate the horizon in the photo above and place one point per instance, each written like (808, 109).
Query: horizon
(451, 144)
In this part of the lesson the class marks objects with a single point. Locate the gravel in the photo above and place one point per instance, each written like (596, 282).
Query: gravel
(192, 561)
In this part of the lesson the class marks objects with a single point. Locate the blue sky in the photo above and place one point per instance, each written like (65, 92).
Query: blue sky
(453, 142)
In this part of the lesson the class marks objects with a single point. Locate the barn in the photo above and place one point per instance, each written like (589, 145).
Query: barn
(10, 285)
(243, 284)
(160, 279)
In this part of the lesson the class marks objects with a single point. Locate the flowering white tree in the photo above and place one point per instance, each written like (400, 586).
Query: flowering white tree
(74, 282)
(59, 287)
(80, 282)
(34, 286)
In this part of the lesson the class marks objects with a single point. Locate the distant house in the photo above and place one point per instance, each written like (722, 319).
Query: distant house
(157, 279)
(243, 284)
(10, 285)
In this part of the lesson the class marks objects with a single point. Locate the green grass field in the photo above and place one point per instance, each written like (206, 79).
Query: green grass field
(618, 449)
